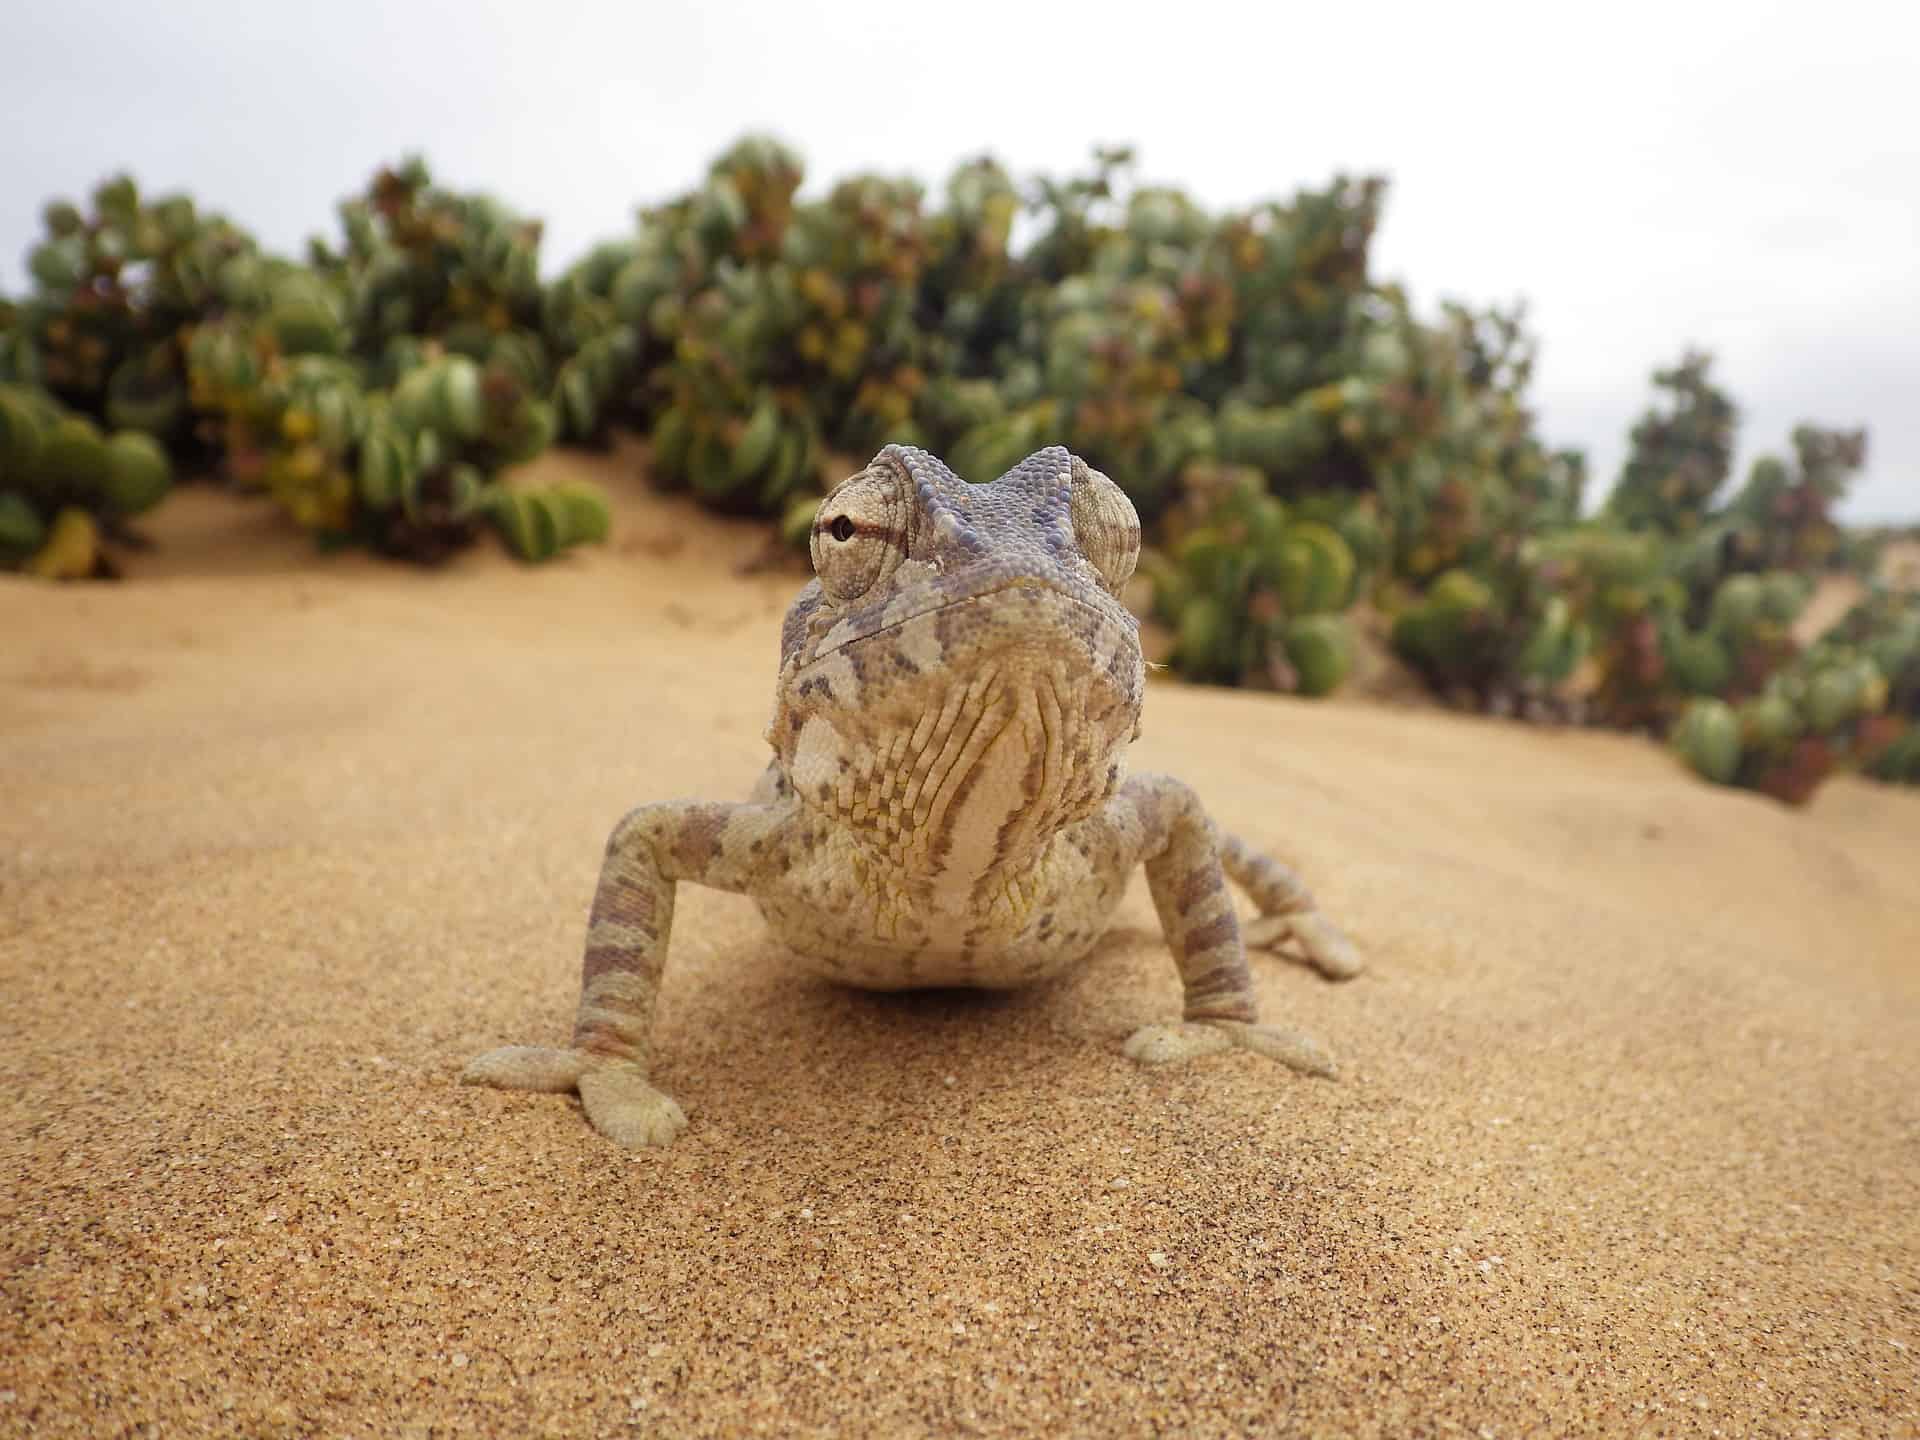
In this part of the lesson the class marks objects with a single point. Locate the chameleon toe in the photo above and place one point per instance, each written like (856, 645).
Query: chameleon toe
(1171, 1044)
(1322, 943)
(1289, 1047)
(526, 1067)
(1328, 949)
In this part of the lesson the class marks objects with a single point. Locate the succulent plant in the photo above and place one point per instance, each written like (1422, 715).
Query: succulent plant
(1782, 517)
(1896, 757)
(67, 485)
(1883, 629)
(116, 289)
(1708, 737)
(1678, 457)
(968, 301)
(431, 458)
(1254, 597)
(747, 204)
(1847, 702)
(409, 470)
(594, 317)
(1505, 639)
(757, 460)
(423, 261)
(538, 524)
(1295, 434)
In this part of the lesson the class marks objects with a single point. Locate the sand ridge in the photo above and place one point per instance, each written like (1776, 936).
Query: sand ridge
(1627, 1138)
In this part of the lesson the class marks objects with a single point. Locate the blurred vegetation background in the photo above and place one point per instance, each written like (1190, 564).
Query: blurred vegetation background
(1325, 471)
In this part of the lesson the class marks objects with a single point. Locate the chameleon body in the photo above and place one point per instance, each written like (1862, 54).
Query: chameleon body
(948, 802)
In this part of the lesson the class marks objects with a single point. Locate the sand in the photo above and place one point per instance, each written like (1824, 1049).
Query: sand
(1627, 1139)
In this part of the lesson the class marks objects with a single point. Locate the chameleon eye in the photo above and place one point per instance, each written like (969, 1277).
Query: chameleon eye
(859, 534)
(1106, 525)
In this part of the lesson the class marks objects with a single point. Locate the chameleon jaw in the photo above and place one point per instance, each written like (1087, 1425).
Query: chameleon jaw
(889, 619)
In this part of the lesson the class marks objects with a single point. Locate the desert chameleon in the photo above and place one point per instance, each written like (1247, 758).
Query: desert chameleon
(948, 802)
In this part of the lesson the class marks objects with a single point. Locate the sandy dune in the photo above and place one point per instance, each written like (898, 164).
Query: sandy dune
(1627, 1139)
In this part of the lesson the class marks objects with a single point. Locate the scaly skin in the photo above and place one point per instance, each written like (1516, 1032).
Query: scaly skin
(947, 802)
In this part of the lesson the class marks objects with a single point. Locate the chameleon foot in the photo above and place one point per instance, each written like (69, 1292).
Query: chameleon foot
(627, 1110)
(1169, 1044)
(618, 1099)
(1327, 949)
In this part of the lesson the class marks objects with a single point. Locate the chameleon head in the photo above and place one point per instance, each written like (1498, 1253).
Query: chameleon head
(961, 679)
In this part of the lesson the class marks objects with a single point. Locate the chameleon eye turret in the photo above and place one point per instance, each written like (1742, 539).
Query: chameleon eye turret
(1106, 525)
(860, 534)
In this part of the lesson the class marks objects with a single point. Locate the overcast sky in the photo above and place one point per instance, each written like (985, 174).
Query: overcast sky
(1742, 177)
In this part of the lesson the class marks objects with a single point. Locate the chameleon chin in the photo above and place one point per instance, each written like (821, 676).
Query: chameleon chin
(948, 801)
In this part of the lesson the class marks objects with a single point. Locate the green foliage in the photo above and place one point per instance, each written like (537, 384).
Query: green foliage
(66, 482)
(1253, 595)
(538, 524)
(1884, 630)
(1502, 639)
(1298, 437)
(1679, 456)
(420, 261)
(410, 472)
(116, 288)
(375, 394)
(1654, 660)
(1708, 738)
(1141, 330)
(593, 318)
(1812, 718)
(1726, 584)
(1851, 700)
(1782, 519)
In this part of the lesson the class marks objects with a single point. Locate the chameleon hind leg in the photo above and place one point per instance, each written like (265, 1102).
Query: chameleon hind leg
(650, 851)
(1158, 821)
(1287, 912)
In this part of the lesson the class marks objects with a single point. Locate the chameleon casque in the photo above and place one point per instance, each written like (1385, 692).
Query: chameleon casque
(948, 803)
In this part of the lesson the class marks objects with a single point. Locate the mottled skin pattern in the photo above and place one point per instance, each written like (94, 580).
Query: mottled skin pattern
(948, 802)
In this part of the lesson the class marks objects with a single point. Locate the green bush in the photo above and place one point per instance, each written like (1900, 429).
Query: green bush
(375, 393)
(1298, 437)
(1254, 596)
(66, 483)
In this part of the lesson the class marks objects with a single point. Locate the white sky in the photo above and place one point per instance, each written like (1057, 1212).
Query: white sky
(1746, 177)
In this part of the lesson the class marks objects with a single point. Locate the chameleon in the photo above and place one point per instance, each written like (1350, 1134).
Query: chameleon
(948, 802)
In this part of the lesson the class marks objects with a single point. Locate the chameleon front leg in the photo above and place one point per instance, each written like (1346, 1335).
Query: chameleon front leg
(1159, 821)
(651, 850)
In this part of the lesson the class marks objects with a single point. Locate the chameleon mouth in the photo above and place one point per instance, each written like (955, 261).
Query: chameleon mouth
(856, 629)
